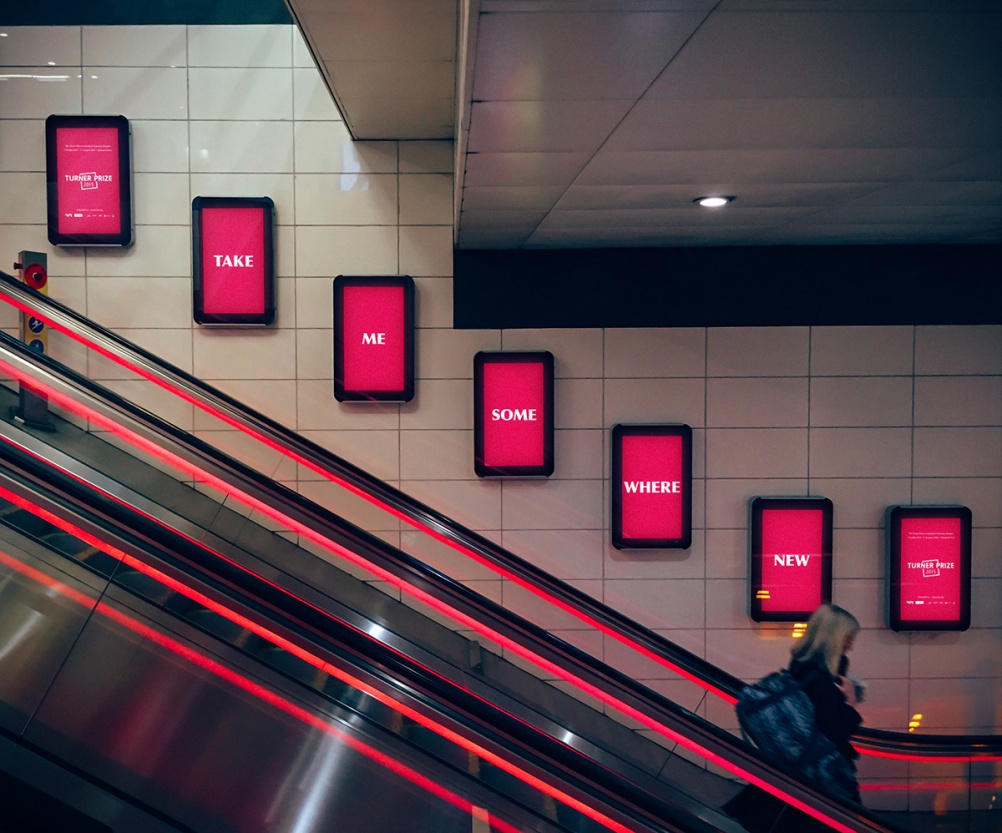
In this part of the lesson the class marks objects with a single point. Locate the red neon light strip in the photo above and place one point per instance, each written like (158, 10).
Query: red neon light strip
(193, 471)
(947, 759)
(985, 785)
(312, 720)
(39, 577)
(306, 656)
(524, 583)
(256, 690)
(485, 562)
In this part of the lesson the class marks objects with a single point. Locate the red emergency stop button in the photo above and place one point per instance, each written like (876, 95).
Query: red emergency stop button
(35, 276)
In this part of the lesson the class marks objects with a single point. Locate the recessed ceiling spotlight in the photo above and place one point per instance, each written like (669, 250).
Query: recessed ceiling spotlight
(713, 202)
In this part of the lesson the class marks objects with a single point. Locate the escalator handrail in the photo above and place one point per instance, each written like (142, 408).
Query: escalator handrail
(596, 614)
(328, 464)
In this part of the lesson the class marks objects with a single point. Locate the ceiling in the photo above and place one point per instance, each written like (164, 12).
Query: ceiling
(389, 64)
(595, 123)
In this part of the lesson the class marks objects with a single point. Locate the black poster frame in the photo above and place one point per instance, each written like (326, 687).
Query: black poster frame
(267, 316)
(543, 357)
(756, 507)
(341, 391)
(125, 236)
(896, 620)
(619, 431)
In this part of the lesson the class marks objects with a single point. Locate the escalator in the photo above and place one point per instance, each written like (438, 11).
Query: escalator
(134, 660)
(667, 771)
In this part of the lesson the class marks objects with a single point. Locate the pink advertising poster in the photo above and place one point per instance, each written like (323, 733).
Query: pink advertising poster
(652, 486)
(929, 569)
(791, 557)
(374, 339)
(513, 414)
(88, 174)
(233, 270)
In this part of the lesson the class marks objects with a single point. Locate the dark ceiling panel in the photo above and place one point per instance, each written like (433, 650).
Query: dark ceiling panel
(727, 286)
(148, 13)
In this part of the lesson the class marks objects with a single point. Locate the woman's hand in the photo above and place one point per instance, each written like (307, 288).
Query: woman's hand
(848, 689)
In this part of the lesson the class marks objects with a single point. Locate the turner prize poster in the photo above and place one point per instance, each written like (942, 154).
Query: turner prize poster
(930, 567)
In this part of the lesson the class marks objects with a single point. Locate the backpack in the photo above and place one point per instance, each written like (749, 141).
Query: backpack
(778, 717)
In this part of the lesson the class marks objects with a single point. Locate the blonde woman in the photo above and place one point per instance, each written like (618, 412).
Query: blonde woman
(820, 665)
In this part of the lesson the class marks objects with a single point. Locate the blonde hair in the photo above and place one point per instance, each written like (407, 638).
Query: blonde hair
(823, 641)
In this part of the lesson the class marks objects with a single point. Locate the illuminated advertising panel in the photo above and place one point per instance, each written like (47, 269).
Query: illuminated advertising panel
(88, 180)
(791, 557)
(651, 486)
(373, 339)
(233, 260)
(929, 568)
(513, 414)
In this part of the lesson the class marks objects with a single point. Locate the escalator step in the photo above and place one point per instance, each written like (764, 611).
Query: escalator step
(25, 522)
(67, 544)
(143, 585)
(100, 562)
(227, 630)
(293, 666)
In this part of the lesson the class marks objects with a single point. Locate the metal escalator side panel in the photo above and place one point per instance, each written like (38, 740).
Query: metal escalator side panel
(42, 614)
(514, 774)
(219, 749)
(219, 745)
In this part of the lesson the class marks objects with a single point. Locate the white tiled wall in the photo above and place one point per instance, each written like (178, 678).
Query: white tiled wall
(868, 416)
